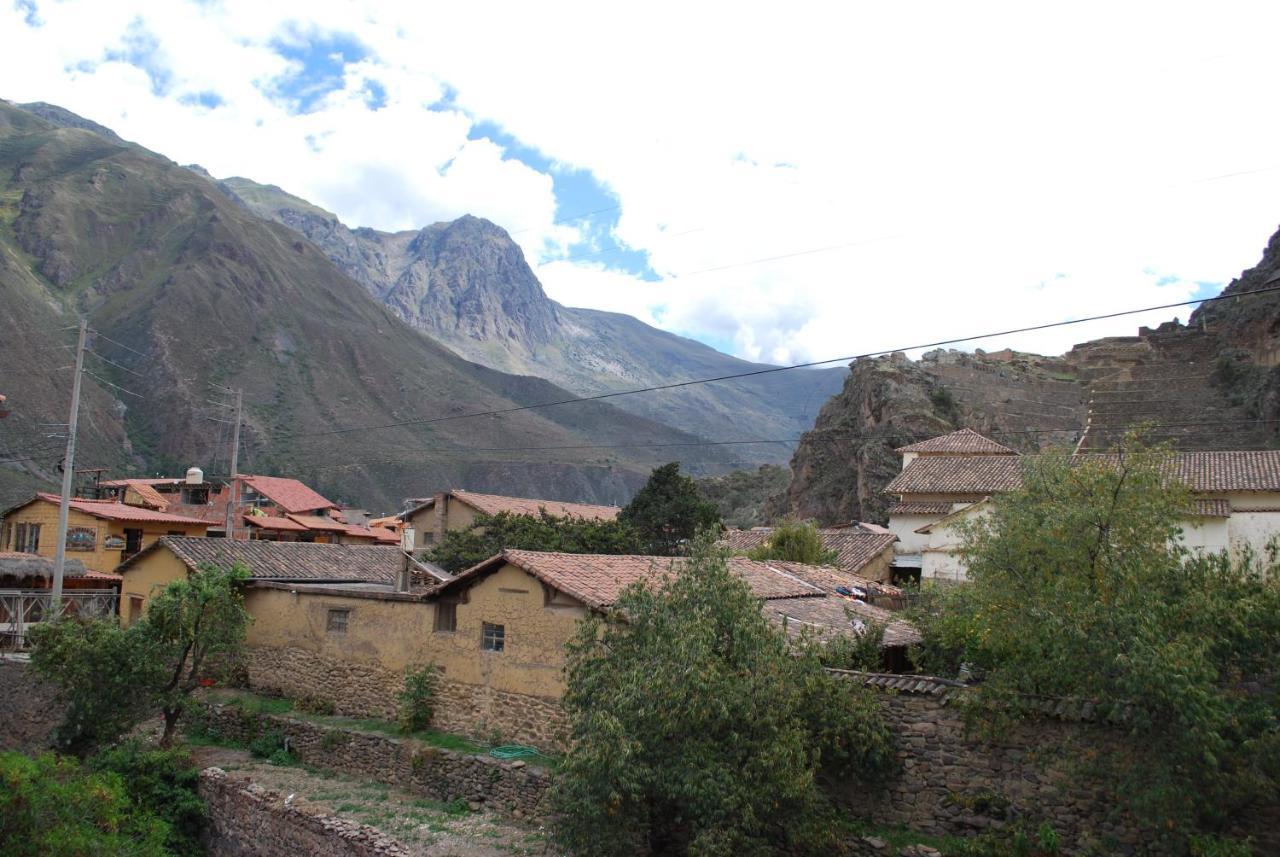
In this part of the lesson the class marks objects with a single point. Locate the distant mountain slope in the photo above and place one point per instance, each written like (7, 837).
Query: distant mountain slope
(193, 288)
(468, 284)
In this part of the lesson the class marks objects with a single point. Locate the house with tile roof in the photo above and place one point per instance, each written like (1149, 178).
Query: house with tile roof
(100, 533)
(458, 509)
(366, 569)
(1235, 508)
(867, 553)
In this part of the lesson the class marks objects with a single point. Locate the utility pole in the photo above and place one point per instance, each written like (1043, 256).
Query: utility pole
(233, 502)
(68, 475)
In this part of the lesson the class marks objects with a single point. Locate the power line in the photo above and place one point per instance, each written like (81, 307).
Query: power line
(774, 369)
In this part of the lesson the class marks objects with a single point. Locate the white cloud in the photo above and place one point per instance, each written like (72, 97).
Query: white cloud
(976, 166)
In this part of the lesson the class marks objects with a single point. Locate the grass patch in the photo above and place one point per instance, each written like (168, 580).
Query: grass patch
(453, 807)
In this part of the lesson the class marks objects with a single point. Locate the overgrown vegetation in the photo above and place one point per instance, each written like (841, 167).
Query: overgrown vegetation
(164, 783)
(861, 651)
(697, 728)
(1082, 588)
(740, 496)
(53, 805)
(667, 513)
(490, 534)
(417, 700)
(794, 541)
(109, 677)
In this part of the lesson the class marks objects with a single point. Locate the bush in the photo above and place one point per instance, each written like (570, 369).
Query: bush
(164, 783)
(794, 541)
(309, 704)
(417, 700)
(274, 747)
(51, 805)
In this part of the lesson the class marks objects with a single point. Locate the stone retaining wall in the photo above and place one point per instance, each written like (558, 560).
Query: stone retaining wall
(246, 820)
(511, 787)
(366, 690)
(28, 708)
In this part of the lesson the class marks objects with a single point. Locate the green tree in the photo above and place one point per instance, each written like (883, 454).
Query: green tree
(194, 626)
(794, 541)
(490, 534)
(697, 728)
(164, 783)
(1082, 587)
(51, 805)
(101, 672)
(668, 512)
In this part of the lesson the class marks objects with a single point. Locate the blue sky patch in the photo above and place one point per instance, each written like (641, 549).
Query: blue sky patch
(582, 201)
(319, 61)
(30, 13)
(141, 49)
(375, 95)
(208, 99)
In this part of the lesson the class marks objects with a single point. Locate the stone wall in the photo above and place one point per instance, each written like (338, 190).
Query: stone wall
(510, 787)
(28, 709)
(246, 820)
(366, 690)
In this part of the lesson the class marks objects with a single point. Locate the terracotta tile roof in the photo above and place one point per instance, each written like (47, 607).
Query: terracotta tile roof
(270, 522)
(1211, 508)
(289, 494)
(493, 504)
(829, 615)
(914, 684)
(940, 508)
(149, 495)
(382, 534)
(110, 510)
(101, 575)
(596, 579)
(855, 549)
(962, 442)
(319, 522)
(390, 522)
(1204, 472)
(288, 560)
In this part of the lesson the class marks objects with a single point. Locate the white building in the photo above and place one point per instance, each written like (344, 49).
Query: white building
(946, 479)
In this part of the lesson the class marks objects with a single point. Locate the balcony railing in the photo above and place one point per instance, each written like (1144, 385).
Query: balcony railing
(21, 608)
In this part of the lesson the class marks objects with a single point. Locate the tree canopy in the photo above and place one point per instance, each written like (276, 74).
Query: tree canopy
(668, 512)
(490, 534)
(794, 541)
(697, 728)
(1082, 586)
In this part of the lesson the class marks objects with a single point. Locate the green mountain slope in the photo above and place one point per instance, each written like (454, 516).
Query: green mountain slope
(468, 285)
(193, 288)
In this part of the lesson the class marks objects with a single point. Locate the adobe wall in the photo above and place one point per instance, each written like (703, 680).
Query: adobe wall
(364, 689)
(246, 820)
(510, 787)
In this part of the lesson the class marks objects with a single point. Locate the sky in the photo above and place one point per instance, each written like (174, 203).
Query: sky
(785, 182)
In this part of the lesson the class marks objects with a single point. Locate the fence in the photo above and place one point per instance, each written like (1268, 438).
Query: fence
(21, 608)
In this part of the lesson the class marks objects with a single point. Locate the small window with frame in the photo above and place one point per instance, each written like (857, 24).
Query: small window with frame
(338, 621)
(446, 617)
(493, 638)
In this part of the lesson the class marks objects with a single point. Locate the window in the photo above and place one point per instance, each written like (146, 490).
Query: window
(446, 617)
(337, 623)
(493, 638)
(195, 496)
(28, 538)
(5, 532)
(135, 608)
(132, 541)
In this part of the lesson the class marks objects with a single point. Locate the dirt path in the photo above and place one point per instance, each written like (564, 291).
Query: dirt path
(427, 828)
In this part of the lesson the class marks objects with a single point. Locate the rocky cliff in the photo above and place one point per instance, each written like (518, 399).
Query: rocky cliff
(467, 284)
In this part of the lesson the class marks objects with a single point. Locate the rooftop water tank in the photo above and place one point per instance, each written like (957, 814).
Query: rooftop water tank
(195, 476)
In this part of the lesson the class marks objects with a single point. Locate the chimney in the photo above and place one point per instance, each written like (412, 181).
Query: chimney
(441, 510)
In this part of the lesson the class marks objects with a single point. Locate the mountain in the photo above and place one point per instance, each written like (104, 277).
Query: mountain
(1211, 384)
(467, 284)
(186, 288)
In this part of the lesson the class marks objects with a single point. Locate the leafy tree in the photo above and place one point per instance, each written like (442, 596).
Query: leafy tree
(51, 805)
(109, 677)
(164, 783)
(668, 512)
(697, 728)
(1082, 587)
(190, 625)
(795, 541)
(102, 672)
(490, 534)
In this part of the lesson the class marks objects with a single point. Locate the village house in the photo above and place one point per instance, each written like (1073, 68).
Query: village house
(367, 569)
(1235, 506)
(496, 632)
(865, 550)
(458, 509)
(100, 533)
(25, 583)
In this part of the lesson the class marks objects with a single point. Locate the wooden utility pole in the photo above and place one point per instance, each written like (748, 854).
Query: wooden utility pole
(68, 476)
(233, 502)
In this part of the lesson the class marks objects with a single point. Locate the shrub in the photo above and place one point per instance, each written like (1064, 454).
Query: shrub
(309, 704)
(417, 700)
(274, 747)
(164, 783)
(51, 805)
(794, 541)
